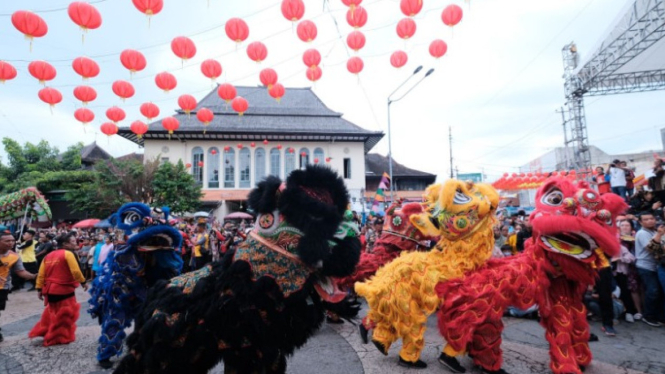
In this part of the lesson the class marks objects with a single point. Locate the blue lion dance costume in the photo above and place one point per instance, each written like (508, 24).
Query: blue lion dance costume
(149, 255)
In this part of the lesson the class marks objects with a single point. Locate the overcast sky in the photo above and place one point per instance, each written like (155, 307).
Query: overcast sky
(498, 86)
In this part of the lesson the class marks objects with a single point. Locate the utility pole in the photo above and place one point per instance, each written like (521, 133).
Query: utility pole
(450, 143)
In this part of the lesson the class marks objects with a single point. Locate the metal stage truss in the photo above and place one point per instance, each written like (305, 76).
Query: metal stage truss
(630, 59)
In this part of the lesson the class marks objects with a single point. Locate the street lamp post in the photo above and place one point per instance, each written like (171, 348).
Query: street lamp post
(390, 101)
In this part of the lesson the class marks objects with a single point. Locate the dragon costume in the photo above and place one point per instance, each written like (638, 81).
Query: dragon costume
(401, 295)
(264, 299)
(148, 255)
(572, 231)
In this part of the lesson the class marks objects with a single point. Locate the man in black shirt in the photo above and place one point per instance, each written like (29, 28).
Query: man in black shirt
(523, 235)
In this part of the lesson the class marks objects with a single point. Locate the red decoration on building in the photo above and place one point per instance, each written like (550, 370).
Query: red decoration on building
(257, 51)
(183, 47)
(85, 67)
(399, 59)
(50, 96)
(452, 15)
(170, 124)
(227, 92)
(42, 70)
(252, 144)
(109, 128)
(133, 60)
(406, 28)
(291, 150)
(239, 146)
(200, 164)
(240, 105)
(277, 91)
(279, 147)
(166, 81)
(438, 48)
(355, 65)
(139, 128)
(187, 103)
(293, 10)
(115, 114)
(314, 74)
(265, 141)
(85, 94)
(311, 58)
(356, 17)
(316, 160)
(213, 151)
(328, 159)
(123, 89)
(188, 165)
(211, 69)
(237, 30)
(411, 7)
(356, 40)
(7, 71)
(227, 148)
(150, 111)
(84, 15)
(30, 24)
(268, 77)
(307, 31)
(84, 115)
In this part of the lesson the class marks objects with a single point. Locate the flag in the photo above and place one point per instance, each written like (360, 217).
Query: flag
(378, 205)
(385, 181)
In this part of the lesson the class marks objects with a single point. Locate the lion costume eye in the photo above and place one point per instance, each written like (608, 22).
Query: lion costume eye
(460, 198)
(553, 198)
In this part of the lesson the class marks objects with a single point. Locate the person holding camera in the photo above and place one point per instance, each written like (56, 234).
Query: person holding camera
(617, 174)
(647, 242)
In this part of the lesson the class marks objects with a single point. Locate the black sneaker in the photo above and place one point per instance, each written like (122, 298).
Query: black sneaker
(451, 363)
(106, 364)
(593, 337)
(651, 323)
(420, 364)
(380, 347)
(500, 371)
(363, 333)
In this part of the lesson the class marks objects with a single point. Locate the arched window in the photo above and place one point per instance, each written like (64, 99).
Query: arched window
(289, 163)
(230, 168)
(259, 165)
(213, 167)
(197, 159)
(319, 156)
(275, 162)
(245, 166)
(304, 157)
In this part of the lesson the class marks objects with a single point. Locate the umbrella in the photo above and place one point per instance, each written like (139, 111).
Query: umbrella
(202, 214)
(105, 224)
(86, 223)
(239, 215)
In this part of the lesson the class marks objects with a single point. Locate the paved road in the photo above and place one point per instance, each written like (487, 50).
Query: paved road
(336, 348)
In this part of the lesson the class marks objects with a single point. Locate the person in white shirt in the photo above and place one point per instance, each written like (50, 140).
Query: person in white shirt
(618, 178)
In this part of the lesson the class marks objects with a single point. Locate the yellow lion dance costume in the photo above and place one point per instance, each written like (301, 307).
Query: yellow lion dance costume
(401, 295)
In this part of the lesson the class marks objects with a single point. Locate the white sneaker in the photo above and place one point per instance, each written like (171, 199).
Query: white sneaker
(637, 316)
(629, 318)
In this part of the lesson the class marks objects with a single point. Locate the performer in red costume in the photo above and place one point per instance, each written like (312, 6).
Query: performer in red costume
(573, 233)
(59, 275)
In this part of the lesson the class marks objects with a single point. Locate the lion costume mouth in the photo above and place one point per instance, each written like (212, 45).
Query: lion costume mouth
(328, 291)
(575, 244)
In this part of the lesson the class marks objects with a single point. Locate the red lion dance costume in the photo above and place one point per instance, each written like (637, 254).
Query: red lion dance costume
(572, 227)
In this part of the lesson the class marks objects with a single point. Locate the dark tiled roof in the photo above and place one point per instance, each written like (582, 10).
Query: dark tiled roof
(376, 165)
(300, 112)
(92, 152)
(132, 156)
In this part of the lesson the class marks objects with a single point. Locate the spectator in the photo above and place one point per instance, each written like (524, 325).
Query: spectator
(647, 268)
(201, 246)
(373, 233)
(643, 201)
(83, 256)
(657, 181)
(626, 273)
(104, 251)
(600, 180)
(657, 248)
(618, 178)
(524, 234)
(45, 245)
(630, 176)
(503, 237)
(28, 256)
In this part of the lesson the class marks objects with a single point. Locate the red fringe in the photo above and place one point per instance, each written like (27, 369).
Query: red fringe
(58, 322)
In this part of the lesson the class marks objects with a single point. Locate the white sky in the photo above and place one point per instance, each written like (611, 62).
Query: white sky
(498, 86)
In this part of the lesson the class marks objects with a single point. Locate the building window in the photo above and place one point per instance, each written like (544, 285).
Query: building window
(245, 166)
(275, 162)
(197, 164)
(347, 168)
(259, 165)
(230, 168)
(164, 160)
(213, 167)
(319, 156)
(289, 163)
(304, 157)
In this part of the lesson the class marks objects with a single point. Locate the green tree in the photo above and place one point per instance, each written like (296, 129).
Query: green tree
(71, 159)
(176, 188)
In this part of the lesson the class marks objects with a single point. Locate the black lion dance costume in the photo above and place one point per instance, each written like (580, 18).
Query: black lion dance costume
(263, 300)
(149, 254)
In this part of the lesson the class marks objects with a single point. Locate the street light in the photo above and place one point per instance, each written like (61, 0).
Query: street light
(390, 101)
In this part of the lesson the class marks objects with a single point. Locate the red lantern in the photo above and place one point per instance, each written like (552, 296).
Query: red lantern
(311, 58)
(84, 15)
(328, 159)
(438, 48)
(356, 40)
(406, 28)
(50, 96)
(355, 65)
(187, 103)
(411, 7)
(293, 10)
(149, 7)
(452, 15)
(226, 92)
(42, 70)
(30, 24)
(352, 3)
(85, 93)
(314, 74)
(200, 164)
(211, 69)
(133, 60)
(84, 115)
(277, 91)
(237, 30)
(115, 114)
(170, 124)
(291, 150)
(252, 144)
(123, 89)
(7, 71)
(188, 165)
(257, 51)
(139, 128)
(239, 146)
(356, 17)
(213, 151)
(149, 111)
(303, 154)
(268, 77)
(307, 31)
(85, 67)
(183, 47)
(316, 160)
(227, 148)
(240, 105)
(109, 128)
(279, 147)
(399, 59)
(166, 81)
(265, 141)
(205, 115)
